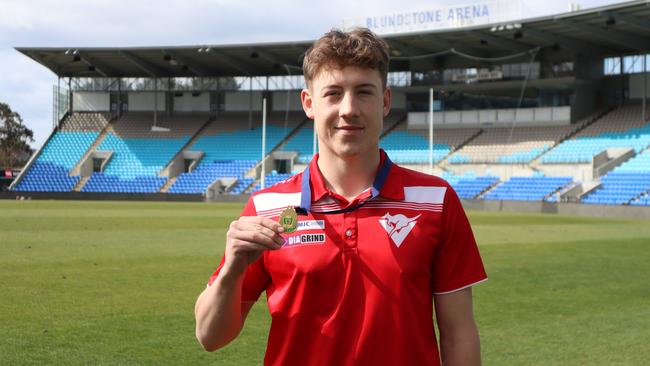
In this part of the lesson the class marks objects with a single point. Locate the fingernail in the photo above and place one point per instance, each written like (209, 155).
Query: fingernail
(280, 229)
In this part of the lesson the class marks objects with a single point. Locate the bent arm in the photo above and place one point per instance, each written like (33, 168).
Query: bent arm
(219, 311)
(459, 339)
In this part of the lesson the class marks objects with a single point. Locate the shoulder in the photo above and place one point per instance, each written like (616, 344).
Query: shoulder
(412, 177)
(422, 186)
(291, 184)
(278, 196)
(417, 187)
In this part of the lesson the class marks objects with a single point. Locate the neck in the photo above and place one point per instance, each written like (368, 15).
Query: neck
(349, 176)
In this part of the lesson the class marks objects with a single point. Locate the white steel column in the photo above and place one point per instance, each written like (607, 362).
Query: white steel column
(431, 131)
(262, 182)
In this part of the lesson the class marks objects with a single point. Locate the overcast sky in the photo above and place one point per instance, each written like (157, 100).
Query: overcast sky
(27, 86)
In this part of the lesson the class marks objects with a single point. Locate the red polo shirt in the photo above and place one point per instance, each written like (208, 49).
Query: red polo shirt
(356, 288)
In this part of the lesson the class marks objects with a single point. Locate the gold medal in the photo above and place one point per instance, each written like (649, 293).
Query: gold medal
(289, 220)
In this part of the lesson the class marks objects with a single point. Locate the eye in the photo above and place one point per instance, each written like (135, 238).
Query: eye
(331, 93)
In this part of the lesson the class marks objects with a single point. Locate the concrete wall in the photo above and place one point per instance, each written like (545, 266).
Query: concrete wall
(190, 103)
(586, 100)
(80, 196)
(504, 171)
(612, 90)
(280, 101)
(240, 101)
(581, 172)
(145, 101)
(493, 117)
(636, 85)
(567, 209)
(399, 100)
(90, 102)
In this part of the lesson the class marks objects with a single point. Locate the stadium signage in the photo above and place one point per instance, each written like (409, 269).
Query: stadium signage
(482, 12)
(311, 225)
(304, 239)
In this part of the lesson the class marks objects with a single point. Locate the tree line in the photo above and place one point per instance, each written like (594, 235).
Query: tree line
(14, 139)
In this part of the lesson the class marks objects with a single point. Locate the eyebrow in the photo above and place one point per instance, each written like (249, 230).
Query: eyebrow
(364, 85)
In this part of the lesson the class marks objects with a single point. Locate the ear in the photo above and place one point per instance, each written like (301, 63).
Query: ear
(307, 101)
(388, 98)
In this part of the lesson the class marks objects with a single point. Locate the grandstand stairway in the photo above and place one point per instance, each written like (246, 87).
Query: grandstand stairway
(590, 121)
(251, 186)
(289, 136)
(278, 147)
(170, 182)
(442, 163)
(165, 172)
(75, 171)
(80, 184)
(394, 125)
(488, 189)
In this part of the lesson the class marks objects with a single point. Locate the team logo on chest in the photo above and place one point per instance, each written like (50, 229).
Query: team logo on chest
(398, 226)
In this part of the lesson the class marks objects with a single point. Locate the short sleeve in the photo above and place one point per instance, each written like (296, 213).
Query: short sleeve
(256, 278)
(457, 263)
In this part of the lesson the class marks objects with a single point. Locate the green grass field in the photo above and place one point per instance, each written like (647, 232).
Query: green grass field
(106, 283)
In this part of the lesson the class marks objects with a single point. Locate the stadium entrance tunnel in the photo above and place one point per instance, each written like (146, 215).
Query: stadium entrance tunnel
(184, 162)
(93, 163)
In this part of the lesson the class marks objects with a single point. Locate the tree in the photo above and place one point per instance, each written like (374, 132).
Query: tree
(14, 138)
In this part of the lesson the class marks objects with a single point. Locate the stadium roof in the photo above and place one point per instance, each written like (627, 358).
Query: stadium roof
(613, 30)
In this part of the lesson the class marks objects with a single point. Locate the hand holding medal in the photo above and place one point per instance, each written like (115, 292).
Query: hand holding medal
(289, 219)
(248, 238)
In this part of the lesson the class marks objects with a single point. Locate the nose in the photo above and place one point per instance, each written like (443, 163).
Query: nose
(348, 107)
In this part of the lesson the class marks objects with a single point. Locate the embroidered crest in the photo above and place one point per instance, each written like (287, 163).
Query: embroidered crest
(398, 226)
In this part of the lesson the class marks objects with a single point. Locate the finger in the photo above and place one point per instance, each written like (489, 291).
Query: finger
(257, 237)
(255, 227)
(264, 221)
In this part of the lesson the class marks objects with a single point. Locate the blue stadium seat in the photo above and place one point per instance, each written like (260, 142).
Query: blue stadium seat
(205, 174)
(620, 187)
(582, 149)
(49, 172)
(535, 188)
(271, 179)
(241, 185)
(405, 147)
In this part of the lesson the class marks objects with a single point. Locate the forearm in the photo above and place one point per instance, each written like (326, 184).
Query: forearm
(461, 348)
(218, 311)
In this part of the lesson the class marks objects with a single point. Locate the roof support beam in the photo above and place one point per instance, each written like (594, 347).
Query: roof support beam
(151, 70)
(232, 62)
(272, 58)
(502, 42)
(627, 40)
(405, 49)
(629, 19)
(196, 70)
(102, 69)
(47, 62)
(446, 45)
(568, 43)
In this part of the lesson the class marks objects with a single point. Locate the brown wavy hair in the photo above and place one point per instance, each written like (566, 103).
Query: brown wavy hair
(337, 49)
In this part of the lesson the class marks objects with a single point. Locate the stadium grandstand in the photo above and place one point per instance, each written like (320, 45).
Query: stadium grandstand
(548, 110)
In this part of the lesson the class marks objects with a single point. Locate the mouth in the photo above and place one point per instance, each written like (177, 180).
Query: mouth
(348, 128)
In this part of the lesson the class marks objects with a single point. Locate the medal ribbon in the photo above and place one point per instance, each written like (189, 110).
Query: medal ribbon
(305, 193)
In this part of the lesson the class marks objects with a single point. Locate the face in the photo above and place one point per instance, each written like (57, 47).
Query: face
(348, 107)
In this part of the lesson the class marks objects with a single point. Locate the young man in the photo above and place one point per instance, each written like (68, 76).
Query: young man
(364, 249)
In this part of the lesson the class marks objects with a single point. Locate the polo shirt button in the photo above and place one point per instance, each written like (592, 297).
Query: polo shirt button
(348, 233)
